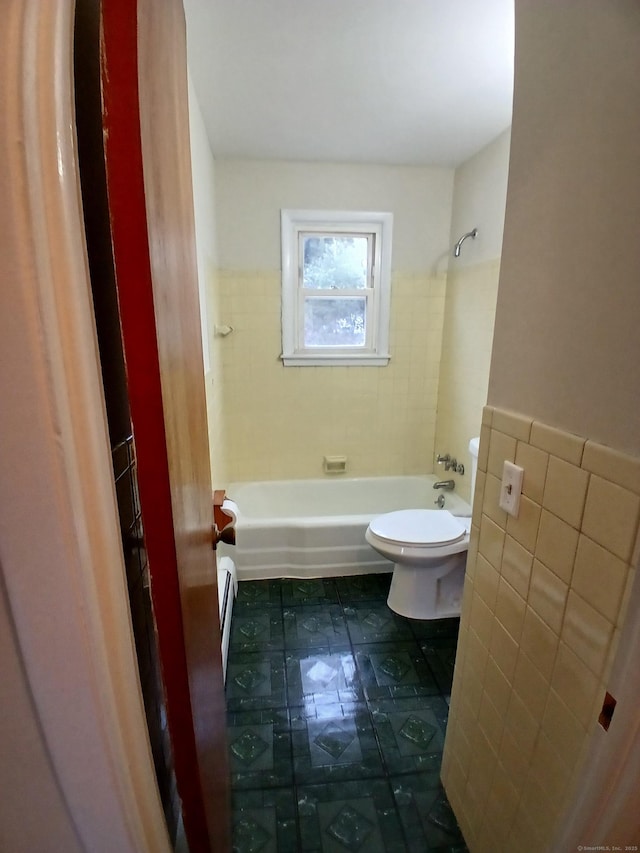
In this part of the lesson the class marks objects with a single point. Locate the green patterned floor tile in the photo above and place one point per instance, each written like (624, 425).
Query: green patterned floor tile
(254, 595)
(425, 629)
(255, 681)
(265, 821)
(257, 631)
(334, 742)
(314, 626)
(349, 816)
(260, 749)
(255, 833)
(427, 818)
(333, 739)
(411, 734)
(251, 747)
(308, 591)
(358, 729)
(394, 670)
(441, 656)
(374, 622)
(322, 676)
(355, 588)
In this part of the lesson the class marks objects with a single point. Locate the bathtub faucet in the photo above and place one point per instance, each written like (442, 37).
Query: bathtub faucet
(447, 485)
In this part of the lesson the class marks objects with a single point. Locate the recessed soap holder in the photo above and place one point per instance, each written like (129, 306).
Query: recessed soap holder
(334, 464)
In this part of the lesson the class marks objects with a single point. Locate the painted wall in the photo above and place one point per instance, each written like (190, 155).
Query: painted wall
(479, 198)
(567, 347)
(29, 779)
(280, 422)
(546, 593)
(204, 194)
(250, 195)
(203, 172)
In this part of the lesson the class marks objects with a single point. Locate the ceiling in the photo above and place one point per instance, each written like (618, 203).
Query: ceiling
(408, 82)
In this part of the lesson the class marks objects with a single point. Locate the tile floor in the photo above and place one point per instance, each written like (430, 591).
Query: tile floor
(337, 710)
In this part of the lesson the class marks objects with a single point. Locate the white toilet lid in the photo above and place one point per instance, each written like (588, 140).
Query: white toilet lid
(419, 527)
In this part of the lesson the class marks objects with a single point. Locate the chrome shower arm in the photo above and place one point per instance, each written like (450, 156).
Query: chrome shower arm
(473, 234)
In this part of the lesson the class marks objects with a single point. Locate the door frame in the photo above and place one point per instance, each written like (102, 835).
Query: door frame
(150, 192)
(62, 560)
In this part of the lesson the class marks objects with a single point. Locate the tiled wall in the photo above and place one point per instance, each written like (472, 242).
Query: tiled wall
(469, 316)
(214, 385)
(545, 596)
(279, 422)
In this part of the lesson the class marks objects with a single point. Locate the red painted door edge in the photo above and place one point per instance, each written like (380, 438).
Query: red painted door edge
(123, 151)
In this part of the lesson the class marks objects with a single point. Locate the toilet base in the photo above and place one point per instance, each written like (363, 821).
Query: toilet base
(433, 592)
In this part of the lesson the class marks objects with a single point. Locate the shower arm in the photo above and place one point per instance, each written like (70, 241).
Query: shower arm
(473, 234)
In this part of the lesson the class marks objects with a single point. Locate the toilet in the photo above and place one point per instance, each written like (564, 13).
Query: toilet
(428, 548)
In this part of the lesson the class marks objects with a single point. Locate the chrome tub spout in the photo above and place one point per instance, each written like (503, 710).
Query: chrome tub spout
(447, 485)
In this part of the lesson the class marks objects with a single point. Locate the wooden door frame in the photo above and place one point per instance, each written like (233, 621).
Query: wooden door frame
(62, 558)
(150, 191)
(185, 606)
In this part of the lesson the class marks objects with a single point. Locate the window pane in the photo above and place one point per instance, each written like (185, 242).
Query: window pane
(334, 322)
(334, 262)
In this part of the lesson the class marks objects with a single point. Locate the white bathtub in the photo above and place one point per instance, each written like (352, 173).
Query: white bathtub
(315, 528)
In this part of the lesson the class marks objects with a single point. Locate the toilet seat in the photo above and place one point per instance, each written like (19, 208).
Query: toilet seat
(428, 528)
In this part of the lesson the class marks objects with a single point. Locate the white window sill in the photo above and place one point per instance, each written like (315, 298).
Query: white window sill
(364, 360)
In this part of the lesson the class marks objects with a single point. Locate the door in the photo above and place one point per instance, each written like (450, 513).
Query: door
(145, 119)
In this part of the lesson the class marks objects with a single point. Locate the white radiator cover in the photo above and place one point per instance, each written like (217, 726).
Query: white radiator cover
(227, 591)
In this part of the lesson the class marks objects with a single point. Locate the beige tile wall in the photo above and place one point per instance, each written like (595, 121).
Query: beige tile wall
(214, 386)
(544, 600)
(470, 306)
(279, 422)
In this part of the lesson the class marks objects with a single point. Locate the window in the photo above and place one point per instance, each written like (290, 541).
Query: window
(336, 287)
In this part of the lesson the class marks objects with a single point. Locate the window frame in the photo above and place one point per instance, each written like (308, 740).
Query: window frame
(295, 224)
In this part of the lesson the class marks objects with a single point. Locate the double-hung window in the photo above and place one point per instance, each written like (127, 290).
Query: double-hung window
(336, 287)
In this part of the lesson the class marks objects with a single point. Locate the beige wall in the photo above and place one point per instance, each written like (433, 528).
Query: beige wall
(250, 195)
(567, 347)
(203, 170)
(33, 814)
(280, 422)
(204, 195)
(479, 197)
(546, 594)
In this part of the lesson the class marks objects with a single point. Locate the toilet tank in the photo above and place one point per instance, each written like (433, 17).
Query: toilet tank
(474, 446)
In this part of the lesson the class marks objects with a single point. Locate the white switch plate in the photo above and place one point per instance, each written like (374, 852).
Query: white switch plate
(510, 488)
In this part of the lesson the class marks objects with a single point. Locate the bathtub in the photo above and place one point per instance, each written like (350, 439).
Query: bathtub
(315, 528)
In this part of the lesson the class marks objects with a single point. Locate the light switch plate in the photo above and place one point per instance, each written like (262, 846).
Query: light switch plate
(511, 488)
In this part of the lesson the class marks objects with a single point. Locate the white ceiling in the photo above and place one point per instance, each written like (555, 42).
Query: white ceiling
(414, 82)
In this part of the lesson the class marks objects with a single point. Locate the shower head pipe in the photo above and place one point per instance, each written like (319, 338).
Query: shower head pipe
(473, 234)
